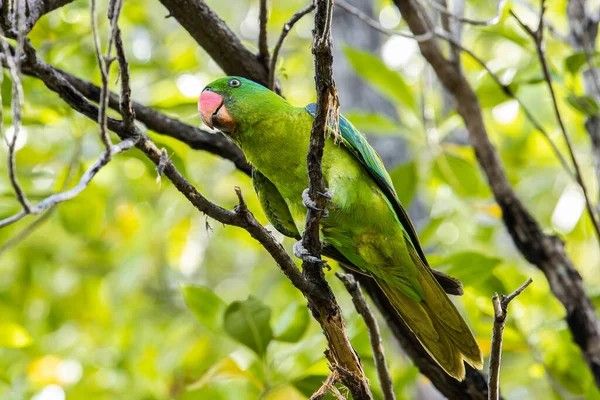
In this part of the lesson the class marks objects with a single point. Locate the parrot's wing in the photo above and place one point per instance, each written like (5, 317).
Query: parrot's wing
(274, 205)
(356, 143)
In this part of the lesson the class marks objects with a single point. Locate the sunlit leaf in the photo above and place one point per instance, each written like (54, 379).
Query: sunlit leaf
(248, 322)
(373, 70)
(206, 306)
(584, 104)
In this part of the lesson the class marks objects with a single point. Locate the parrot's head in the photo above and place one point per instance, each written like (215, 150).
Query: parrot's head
(229, 103)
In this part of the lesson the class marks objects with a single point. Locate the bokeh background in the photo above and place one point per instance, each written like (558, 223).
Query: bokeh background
(92, 297)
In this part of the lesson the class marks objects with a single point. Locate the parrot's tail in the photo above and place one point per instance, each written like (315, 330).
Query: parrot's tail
(437, 324)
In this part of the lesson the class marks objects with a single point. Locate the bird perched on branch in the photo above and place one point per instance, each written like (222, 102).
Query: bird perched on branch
(366, 227)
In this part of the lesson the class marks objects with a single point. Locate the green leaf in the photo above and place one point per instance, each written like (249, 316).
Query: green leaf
(248, 322)
(470, 267)
(404, 178)
(206, 306)
(584, 104)
(373, 123)
(14, 336)
(574, 62)
(387, 82)
(456, 168)
(292, 324)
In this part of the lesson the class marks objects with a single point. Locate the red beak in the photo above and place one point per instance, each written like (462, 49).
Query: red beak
(214, 113)
(208, 106)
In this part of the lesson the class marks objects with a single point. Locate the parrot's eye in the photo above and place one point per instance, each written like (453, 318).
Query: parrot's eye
(234, 83)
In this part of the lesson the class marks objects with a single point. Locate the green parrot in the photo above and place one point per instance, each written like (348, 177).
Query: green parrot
(366, 227)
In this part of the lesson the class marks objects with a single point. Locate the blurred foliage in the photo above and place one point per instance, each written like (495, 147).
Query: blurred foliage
(93, 302)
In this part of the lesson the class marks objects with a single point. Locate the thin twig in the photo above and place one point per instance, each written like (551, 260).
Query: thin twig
(29, 229)
(377, 26)
(500, 313)
(326, 387)
(263, 42)
(489, 22)
(360, 303)
(104, 65)
(538, 38)
(56, 198)
(442, 35)
(284, 32)
(16, 108)
(125, 104)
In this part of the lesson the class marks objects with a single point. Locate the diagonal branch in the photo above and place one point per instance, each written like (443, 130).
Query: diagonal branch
(506, 89)
(360, 303)
(214, 36)
(158, 122)
(284, 32)
(538, 38)
(544, 251)
(325, 309)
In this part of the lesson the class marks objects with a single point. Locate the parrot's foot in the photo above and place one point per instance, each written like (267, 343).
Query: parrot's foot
(303, 254)
(310, 204)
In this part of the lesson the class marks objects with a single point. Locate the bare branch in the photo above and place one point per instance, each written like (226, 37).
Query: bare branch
(583, 31)
(104, 65)
(158, 122)
(500, 314)
(263, 42)
(324, 308)
(544, 251)
(340, 351)
(29, 229)
(217, 39)
(360, 303)
(327, 386)
(16, 105)
(377, 26)
(284, 32)
(87, 177)
(538, 38)
(442, 35)
(489, 22)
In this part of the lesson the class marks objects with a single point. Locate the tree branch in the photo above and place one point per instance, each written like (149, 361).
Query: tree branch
(544, 251)
(340, 353)
(263, 42)
(488, 22)
(500, 314)
(360, 303)
(473, 387)
(325, 310)
(583, 31)
(538, 38)
(506, 89)
(217, 39)
(158, 122)
(87, 177)
(284, 32)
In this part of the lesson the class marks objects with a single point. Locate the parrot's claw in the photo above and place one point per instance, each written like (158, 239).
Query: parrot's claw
(311, 205)
(303, 254)
(328, 194)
